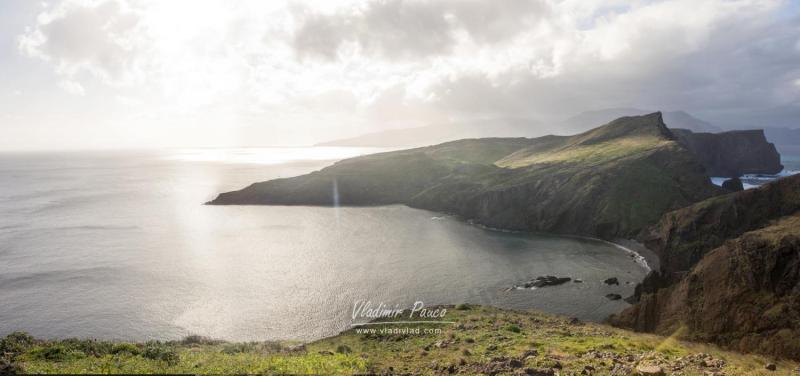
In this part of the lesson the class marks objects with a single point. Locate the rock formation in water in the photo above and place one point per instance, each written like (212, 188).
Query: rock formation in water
(733, 185)
(730, 272)
(611, 181)
(732, 154)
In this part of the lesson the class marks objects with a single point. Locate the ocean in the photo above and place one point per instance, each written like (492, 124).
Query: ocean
(118, 245)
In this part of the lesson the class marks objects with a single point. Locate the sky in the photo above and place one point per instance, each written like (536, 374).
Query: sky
(114, 74)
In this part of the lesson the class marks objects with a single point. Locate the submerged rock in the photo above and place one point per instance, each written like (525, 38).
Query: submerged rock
(612, 281)
(614, 296)
(551, 281)
(544, 281)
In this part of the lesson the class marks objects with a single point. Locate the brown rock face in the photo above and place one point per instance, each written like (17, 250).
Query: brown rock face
(730, 272)
(733, 153)
(744, 295)
(682, 237)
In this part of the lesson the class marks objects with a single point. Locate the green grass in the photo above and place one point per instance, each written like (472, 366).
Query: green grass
(479, 337)
(588, 155)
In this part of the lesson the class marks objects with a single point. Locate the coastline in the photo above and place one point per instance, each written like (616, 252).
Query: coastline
(643, 256)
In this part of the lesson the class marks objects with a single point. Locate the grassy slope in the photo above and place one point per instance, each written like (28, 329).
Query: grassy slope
(608, 182)
(483, 340)
(611, 181)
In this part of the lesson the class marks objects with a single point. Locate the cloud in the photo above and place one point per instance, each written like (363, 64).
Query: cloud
(96, 37)
(409, 29)
(72, 87)
(378, 63)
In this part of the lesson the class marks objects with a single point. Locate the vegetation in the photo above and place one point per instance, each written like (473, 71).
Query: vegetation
(741, 288)
(609, 182)
(482, 340)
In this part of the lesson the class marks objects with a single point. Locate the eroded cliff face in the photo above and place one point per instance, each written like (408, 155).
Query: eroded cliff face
(730, 272)
(609, 182)
(744, 295)
(733, 153)
(682, 237)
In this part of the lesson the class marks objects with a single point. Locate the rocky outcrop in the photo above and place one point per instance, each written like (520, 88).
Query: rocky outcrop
(733, 185)
(682, 237)
(744, 295)
(730, 272)
(609, 182)
(732, 154)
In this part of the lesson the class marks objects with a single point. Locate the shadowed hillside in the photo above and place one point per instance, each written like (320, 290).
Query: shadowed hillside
(730, 272)
(608, 182)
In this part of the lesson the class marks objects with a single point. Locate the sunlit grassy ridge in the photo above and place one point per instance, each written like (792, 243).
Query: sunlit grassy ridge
(609, 182)
(589, 155)
(482, 340)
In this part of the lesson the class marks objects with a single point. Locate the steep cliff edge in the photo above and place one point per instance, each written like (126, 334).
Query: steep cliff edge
(611, 181)
(730, 272)
(682, 237)
(732, 154)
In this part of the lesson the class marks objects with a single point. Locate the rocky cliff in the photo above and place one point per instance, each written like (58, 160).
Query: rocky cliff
(608, 182)
(730, 272)
(733, 153)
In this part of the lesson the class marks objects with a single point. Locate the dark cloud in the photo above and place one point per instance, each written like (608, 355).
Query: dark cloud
(744, 72)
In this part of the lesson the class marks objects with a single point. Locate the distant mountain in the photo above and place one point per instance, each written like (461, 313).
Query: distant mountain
(611, 181)
(512, 127)
(673, 119)
(436, 134)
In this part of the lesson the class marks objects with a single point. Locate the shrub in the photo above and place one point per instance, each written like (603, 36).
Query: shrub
(158, 351)
(199, 340)
(16, 343)
(8, 367)
(237, 348)
(267, 347)
(87, 346)
(343, 349)
(463, 307)
(56, 353)
(513, 328)
(125, 348)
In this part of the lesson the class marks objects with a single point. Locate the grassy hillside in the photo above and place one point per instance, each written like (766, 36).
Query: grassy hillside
(480, 341)
(608, 182)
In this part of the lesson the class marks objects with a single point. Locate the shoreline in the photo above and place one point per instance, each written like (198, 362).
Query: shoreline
(643, 256)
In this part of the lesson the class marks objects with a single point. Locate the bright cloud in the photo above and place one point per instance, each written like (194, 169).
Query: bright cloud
(375, 63)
